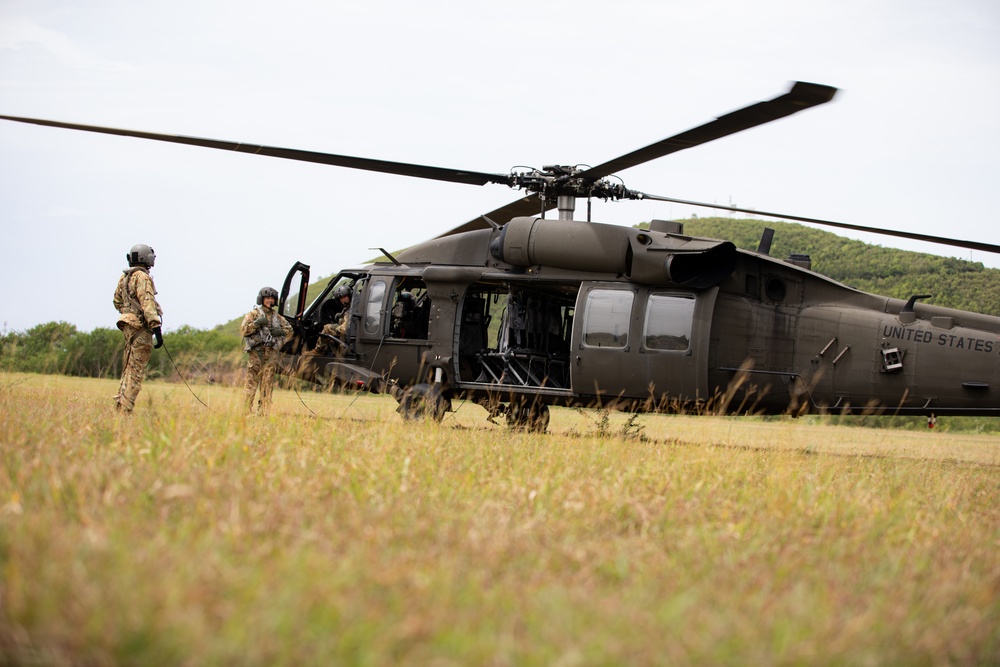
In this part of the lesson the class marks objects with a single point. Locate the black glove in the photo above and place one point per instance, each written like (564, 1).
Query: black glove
(260, 321)
(277, 332)
(158, 334)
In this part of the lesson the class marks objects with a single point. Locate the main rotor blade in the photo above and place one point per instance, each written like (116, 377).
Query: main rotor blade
(800, 96)
(384, 166)
(942, 240)
(529, 205)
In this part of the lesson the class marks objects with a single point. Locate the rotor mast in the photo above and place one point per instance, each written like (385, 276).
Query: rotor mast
(567, 206)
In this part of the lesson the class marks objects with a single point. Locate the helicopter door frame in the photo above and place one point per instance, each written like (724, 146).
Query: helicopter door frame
(618, 342)
(604, 341)
(372, 320)
(294, 344)
(676, 370)
(300, 305)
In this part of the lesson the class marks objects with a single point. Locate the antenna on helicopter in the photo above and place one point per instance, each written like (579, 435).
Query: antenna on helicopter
(492, 224)
(388, 254)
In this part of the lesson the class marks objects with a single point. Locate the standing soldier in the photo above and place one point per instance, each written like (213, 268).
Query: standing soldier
(140, 321)
(264, 332)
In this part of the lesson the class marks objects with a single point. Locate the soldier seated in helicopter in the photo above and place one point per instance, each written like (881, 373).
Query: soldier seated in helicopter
(333, 308)
(410, 314)
(335, 314)
(401, 325)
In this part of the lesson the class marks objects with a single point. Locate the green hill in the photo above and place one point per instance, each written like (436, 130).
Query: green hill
(954, 283)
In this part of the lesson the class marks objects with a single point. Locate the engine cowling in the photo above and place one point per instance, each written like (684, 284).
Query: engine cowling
(648, 257)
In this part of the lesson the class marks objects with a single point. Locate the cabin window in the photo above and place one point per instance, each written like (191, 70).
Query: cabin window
(668, 322)
(409, 309)
(373, 307)
(607, 319)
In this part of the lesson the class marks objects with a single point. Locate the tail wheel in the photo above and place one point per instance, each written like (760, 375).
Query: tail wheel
(533, 417)
(422, 401)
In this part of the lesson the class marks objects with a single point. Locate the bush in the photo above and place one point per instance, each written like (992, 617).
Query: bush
(59, 348)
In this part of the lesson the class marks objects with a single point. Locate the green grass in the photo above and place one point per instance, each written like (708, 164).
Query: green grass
(185, 535)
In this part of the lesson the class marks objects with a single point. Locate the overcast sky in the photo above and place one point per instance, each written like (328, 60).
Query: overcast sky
(910, 142)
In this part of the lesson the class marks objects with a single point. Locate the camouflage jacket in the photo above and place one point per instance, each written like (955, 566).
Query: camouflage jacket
(135, 299)
(255, 335)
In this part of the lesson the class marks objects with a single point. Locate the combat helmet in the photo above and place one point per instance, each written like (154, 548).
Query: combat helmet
(141, 255)
(266, 291)
(342, 291)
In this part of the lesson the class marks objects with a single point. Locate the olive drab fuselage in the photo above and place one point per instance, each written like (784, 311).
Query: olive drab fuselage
(642, 320)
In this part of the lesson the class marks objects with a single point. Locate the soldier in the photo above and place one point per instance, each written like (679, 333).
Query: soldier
(140, 320)
(343, 295)
(402, 316)
(264, 332)
(331, 339)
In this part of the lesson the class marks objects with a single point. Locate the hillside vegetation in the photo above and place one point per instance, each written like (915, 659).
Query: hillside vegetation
(955, 283)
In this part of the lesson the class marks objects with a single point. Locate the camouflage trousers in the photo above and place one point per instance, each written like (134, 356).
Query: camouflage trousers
(138, 347)
(260, 376)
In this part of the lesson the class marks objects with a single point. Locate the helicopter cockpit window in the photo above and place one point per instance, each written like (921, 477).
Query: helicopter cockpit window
(290, 307)
(668, 322)
(607, 318)
(327, 307)
(373, 307)
(330, 309)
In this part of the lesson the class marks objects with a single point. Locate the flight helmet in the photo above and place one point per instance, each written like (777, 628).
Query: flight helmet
(141, 255)
(266, 291)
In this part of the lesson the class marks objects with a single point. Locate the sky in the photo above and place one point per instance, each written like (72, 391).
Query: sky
(910, 142)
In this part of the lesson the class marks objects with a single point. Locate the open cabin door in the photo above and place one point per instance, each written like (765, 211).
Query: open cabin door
(296, 308)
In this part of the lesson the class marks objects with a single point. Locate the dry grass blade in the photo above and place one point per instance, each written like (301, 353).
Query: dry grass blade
(192, 536)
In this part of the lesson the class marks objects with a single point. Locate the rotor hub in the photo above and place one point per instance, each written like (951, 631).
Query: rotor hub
(554, 181)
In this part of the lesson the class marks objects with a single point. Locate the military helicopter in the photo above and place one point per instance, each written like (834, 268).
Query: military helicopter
(516, 312)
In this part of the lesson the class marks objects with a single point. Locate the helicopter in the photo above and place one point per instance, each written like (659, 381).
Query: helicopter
(517, 312)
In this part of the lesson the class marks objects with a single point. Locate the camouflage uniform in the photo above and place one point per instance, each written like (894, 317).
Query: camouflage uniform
(262, 345)
(324, 348)
(136, 301)
(340, 331)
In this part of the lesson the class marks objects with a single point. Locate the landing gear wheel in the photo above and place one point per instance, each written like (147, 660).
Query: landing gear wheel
(533, 418)
(422, 401)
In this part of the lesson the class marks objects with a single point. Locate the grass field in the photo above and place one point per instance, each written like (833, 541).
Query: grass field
(333, 533)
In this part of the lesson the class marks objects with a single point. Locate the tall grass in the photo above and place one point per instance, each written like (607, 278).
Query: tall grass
(186, 535)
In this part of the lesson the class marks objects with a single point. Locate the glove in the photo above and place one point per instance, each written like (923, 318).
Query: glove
(277, 332)
(158, 334)
(260, 321)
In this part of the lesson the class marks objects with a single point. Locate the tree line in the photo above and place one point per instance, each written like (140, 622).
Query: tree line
(215, 355)
(60, 348)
